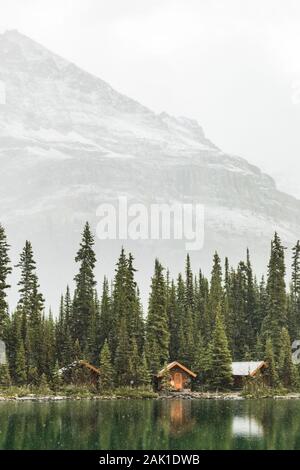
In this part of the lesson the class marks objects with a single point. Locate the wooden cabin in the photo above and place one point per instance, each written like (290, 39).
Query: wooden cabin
(80, 372)
(242, 370)
(179, 376)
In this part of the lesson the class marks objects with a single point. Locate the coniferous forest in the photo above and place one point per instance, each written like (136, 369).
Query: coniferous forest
(204, 323)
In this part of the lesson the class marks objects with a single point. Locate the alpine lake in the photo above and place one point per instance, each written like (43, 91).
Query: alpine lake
(177, 424)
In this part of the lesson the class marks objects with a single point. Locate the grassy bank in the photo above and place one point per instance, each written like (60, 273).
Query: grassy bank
(75, 392)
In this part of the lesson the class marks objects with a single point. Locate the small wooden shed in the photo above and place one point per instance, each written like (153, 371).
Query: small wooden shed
(241, 370)
(180, 377)
(80, 372)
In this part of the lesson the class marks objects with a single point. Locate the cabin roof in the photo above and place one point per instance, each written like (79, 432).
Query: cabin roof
(80, 363)
(176, 364)
(89, 366)
(246, 368)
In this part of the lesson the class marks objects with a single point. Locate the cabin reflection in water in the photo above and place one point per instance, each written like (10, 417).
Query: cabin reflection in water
(246, 426)
(179, 413)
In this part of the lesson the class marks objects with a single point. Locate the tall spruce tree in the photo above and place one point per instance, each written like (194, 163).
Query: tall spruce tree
(31, 300)
(106, 368)
(276, 294)
(157, 332)
(127, 326)
(105, 314)
(119, 307)
(288, 373)
(174, 323)
(20, 371)
(294, 310)
(5, 270)
(240, 328)
(270, 360)
(136, 325)
(123, 359)
(83, 306)
(220, 374)
(216, 291)
(30, 307)
(251, 308)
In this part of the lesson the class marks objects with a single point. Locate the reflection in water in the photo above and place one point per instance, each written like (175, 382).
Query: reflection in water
(151, 424)
(246, 426)
(180, 416)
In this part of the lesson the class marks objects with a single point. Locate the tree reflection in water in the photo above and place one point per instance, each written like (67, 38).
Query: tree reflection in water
(151, 424)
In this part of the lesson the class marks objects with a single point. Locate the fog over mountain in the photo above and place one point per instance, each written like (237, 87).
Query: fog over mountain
(69, 142)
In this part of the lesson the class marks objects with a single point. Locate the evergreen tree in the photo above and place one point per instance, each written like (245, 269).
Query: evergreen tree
(20, 365)
(59, 331)
(276, 294)
(294, 310)
(83, 307)
(189, 285)
(240, 327)
(56, 379)
(5, 380)
(157, 333)
(251, 309)
(202, 323)
(31, 300)
(187, 344)
(220, 361)
(174, 323)
(288, 373)
(30, 306)
(270, 360)
(105, 314)
(77, 351)
(202, 358)
(5, 270)
(165, 382)
(135, 321)
(33, 377)
(123, 360)
(67, 354)
(180, 319)
(47, 360)
(216, 291)
(106, 368)
(143, 376)
(262, 303)
(43, 385)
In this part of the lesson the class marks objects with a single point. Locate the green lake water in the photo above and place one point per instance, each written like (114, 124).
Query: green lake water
(151, 424)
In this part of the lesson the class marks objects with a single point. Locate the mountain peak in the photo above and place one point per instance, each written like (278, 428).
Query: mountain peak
(69, 142)
(12, 33)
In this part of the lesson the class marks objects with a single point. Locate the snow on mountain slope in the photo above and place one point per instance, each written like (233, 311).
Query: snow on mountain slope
(68, 142)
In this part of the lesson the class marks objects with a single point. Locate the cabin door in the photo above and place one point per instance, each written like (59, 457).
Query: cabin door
(178, 381)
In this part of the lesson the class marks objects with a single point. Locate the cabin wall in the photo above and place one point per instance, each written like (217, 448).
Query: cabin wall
(186, 380)
(80, 375)
(239, 381)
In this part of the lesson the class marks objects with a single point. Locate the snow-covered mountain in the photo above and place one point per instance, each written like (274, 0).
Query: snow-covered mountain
(69, 141)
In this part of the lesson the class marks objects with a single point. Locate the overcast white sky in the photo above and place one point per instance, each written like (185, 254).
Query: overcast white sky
(233, 65)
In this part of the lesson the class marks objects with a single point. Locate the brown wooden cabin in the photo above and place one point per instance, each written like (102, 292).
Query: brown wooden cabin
(242, 370)
(81, 372)
(180, 376)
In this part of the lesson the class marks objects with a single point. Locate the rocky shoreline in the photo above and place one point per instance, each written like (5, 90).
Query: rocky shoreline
(169, 396)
